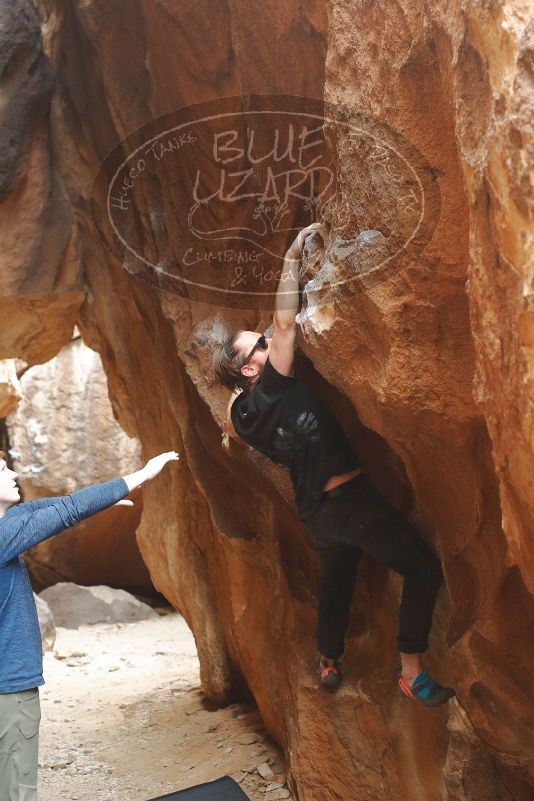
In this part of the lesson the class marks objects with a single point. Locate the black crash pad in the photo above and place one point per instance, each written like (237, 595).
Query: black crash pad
(225, 789)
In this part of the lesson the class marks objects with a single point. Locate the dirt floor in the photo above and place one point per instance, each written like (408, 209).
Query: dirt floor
(123, 719)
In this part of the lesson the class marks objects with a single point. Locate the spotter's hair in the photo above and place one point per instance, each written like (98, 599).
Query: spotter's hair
(227, 365)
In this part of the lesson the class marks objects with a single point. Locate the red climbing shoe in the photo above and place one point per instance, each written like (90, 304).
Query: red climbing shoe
(426, 690)
(330, 674)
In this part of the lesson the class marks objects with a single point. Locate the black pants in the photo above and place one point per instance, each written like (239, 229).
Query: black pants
(361, 521)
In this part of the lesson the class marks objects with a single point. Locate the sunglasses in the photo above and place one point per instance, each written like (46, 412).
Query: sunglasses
(261, 344)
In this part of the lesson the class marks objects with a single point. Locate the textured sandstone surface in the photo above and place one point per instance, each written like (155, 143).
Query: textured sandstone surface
(63, 436)
(429, 369)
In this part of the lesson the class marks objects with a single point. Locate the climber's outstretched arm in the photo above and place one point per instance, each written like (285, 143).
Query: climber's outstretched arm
(282, 351)
(36, 523)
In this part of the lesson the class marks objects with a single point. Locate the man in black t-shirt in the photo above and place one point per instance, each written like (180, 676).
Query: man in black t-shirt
(277, 415)
(282, 419)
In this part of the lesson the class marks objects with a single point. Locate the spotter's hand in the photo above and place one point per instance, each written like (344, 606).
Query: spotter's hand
(155, 465)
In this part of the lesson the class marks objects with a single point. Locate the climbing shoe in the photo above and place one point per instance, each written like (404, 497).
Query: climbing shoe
(330, 675)
(426, 690)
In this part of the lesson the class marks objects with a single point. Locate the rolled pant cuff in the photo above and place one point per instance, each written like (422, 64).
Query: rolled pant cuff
(330, 654)
(411, 646)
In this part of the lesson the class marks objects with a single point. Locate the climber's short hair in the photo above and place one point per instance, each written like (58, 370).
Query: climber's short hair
(227, 365)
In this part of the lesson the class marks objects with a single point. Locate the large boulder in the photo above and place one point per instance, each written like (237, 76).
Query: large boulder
(63, 436)
(73, 606)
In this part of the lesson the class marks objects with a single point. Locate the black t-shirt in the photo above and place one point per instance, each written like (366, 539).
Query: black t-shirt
(281, 418)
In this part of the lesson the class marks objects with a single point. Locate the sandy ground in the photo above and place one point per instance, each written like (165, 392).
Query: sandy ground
(124, 719)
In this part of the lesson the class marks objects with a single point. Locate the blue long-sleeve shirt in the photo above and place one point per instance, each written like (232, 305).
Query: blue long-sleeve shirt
(24, 525)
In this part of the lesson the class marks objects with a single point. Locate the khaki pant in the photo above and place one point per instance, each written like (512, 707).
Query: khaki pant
(20, 714)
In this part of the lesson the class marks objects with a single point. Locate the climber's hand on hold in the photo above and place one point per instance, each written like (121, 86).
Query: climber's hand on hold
(296, 247)
(286, 305)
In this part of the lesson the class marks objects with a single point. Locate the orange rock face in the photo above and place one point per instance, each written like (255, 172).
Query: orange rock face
(9, 387)
(39, 260)
(427, 364)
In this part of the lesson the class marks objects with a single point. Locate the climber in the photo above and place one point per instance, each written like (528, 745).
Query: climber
(21, 664)
(274, 412)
